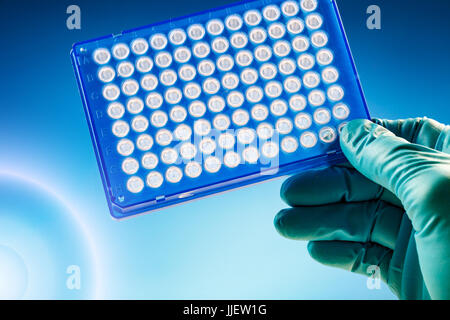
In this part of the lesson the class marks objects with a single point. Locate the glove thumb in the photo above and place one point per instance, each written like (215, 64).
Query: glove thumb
(419, 176)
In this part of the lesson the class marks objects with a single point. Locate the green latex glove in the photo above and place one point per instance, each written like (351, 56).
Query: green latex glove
(391, 209)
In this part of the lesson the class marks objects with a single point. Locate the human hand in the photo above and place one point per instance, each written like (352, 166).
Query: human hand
(391, 209)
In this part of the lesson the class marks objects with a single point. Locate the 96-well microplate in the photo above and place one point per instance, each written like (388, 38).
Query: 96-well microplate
(214, 101)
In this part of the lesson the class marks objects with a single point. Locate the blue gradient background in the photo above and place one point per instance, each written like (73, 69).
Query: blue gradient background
(221, 247)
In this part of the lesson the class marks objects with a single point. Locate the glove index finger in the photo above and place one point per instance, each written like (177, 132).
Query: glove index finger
(423, 131)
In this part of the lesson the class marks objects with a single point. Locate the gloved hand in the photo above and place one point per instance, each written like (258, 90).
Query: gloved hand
(391, 209)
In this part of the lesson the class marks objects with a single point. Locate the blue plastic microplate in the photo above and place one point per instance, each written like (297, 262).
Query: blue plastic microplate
(214, 101)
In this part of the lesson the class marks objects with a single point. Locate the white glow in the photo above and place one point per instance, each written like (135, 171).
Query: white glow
(163, 59)
(130, 87)
(249, 76)
(235, 99)
(295, 26)
(303, 121)
(306, 61)
(225, 63)
(316, 98)
(297, 102)
(220, 45)
(168, 77)
(111, 92)
(154, 179)
(327, 134)
(324, 57)
(158, 119)
(197, 109)
(300, 43)
(196, 32)
(226, 140)
(221, 122)
(207, 145)
(319, 39)
(270, 149)
(116, 110)
(139, 123)
(177, 36)
(330, 75)
(314, 21)
(192, 90)
(284, 125)
(212, 164)
(163, 137)
(187, 72)
(139, 46)
(282, 48)
(240, 117)
(169, 155)
(278, 107)
(308, 139)
(158, 41)
(264, 131)
(216, 104)
(178, 114)
(311, 79)
(263, 53)
(244, 58)
(154, 100)
(202, 127)
(231, 159)
(144, 64)
(182, 54)
(149, 160)
(289, 8)
(125, 69)
(125, 147)
(211, 85)
(120, 51)
(106, 74)
(173, 95)
(259, 112)
(183, 132)
(215, 27)
(308, 5)
(322, 116)
(130, 166)
(268, 71)
(135, 184)
(289, 144)
(206, 68)
(271, 13)
(335, 93)
(239, 40)
(252, 17)
(287, 66)
(292, 84)
(120, 128)
(230, 81)
(341, 111)
(193, 169)
(254, 94)
(102, 56)
(276, 30)
(273, 89)
(246, 136)
(144, 142)
(258, 35)
(233, 22)
(250, 154)
(135, 105)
